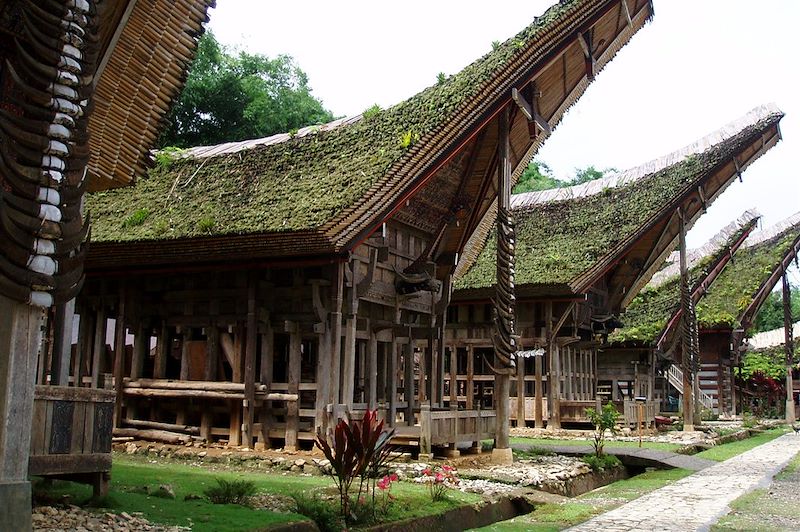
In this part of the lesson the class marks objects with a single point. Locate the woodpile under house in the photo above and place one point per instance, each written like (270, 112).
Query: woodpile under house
(583, 253)
(273, 286)
(84, 87)
(641, 357)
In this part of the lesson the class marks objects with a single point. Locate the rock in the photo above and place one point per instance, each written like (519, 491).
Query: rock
(165, 491)
(299, 462)
(202, 454)
(130, 448)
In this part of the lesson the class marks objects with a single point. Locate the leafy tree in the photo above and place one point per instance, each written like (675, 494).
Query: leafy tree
(770, 316)
(603, 420)
(231, 97)
(539, 176)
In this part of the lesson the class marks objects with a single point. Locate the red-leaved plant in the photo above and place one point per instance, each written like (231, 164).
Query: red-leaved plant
(360, 451)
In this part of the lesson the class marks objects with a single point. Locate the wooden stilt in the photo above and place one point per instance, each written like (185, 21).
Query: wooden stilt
(99, 346)
(391, 388)
(554, 371)
(521, 392)
(266, 377)
(62, 343)
(84, 348)
(408, 380)
(251, 342)
(292, 407)
(349, 367)
(372, 371)
(538, 402)
(163, 351)
(453, 376)
(789, 348)
(119, 357)
(20, 342)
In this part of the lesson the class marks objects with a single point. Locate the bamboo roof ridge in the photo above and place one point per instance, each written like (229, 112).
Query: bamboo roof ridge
(773, 338)
(566, 239)
(652, 311)
(321, 190)
(744, 285)
(672, 268)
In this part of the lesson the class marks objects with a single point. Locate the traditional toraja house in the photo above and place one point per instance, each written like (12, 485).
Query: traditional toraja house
(726, 313)
(83, 89)
(291, 281)
(583, 252)
(777, 347)
(650, 338)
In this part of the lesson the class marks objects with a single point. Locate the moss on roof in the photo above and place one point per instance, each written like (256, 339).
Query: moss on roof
(649, 312)
(560, 240)
(302, 183)
(738, 284)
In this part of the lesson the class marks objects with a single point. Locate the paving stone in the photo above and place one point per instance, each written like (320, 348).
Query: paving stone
(699, 500)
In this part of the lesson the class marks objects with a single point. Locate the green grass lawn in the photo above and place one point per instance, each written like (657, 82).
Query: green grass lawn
(132, 473)
(720, 453)
(542, 442)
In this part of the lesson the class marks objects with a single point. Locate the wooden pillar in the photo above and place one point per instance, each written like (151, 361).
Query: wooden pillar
(84, 349)
(185, 338)
(538, 407)
(251, 342)
(336, 336)
(322, 378)
(292, 407)
(391, 387)
(20, 342)
(209, 374)
(408, 379)
(62, 343)
(162, 351)
(441, 351)
(119, 357)
(521, 392)
(141, 345)
(789, 348)
(469, 392)
(349, 367)
(372, 370)
(453, 376)
(686, 341)
(266, 377)
(235, 426)
(554, 371)
(99, 345)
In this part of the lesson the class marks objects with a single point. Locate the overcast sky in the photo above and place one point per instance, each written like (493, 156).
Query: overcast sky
(698, 65)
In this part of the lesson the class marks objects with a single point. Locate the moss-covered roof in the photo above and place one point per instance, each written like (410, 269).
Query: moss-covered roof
(737, 286)
(649, 312)
(304, 182)
(559, 240)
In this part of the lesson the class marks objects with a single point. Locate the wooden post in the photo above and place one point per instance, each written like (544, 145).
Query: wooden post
(408, 380)
(251, 342)
(425, 449)
(62, 343)
(209, 374)
(119, 357)
(336, 332)
(453, 376)
(162, 351)
(789, 348)
(521, 392)
(554, 371)
(99, 345)
(470, 386)
(235, 426)
(185, 338)
(141, 344)
(686, 341)
(84, 349)
(372, 370)
(391, 387)
(266, 377)
(538, 400)
(349, 368)
(292, 407)
(20, 342)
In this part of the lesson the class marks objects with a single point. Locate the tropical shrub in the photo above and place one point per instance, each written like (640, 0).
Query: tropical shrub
(605, 419)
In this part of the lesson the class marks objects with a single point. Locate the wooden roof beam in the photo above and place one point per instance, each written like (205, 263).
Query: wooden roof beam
(530, 111)
(626, 11)
(586, 45)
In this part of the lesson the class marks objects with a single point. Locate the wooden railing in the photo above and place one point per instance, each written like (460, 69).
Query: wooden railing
(451, 427)
(71, 433)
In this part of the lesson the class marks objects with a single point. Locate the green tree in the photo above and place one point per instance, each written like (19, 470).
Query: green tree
(231, 97)
(770, 315)
(539, 176)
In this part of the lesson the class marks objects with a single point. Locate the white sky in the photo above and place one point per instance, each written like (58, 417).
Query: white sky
(697, 66)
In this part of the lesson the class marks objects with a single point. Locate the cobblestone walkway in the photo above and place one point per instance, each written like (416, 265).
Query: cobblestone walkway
(698, 501)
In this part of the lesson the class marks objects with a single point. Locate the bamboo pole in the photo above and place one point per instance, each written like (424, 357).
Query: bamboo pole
(789, 348)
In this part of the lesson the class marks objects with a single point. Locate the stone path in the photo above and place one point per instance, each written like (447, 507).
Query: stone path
(699, 500)
(631, 455)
